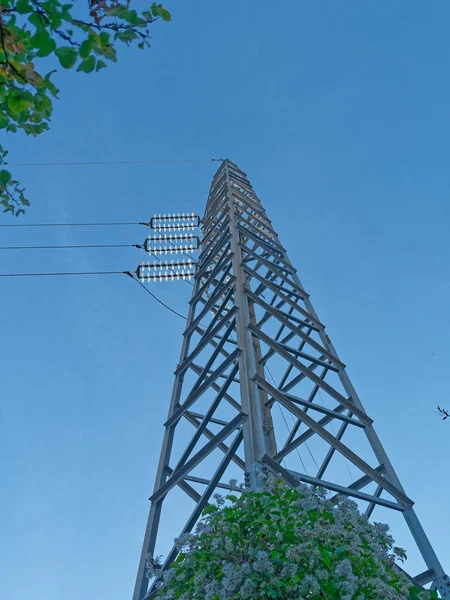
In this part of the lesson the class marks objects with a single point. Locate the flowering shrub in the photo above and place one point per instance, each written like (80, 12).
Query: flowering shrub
(286, 544)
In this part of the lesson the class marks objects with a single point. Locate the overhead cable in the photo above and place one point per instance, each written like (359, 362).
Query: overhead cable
(68, 273)
(62, 274)
(156, 298)
(70, 247)
(117, 162)
(72, 224)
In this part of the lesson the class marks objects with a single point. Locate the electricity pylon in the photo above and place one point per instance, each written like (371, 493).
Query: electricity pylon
(254, 351)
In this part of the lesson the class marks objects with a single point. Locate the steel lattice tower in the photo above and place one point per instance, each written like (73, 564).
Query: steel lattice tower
(253, 344)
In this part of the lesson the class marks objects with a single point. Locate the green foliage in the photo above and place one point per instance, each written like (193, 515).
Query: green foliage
(285, 544)
(32, 30)
(67, 56)
(11, 193)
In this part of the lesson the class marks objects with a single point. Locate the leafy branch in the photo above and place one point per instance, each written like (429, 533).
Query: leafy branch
(31, 30)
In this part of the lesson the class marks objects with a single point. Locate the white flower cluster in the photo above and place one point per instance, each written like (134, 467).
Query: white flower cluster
(286, 544)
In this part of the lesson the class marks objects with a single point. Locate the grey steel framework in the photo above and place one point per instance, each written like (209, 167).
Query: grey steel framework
(254, 350)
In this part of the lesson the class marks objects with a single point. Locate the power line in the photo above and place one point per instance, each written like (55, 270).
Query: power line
(155, 297)
(117, 162)
(333, 429)
(65, 247)
(61, 274)
(284, 419)
(73, 224)
(289, 431)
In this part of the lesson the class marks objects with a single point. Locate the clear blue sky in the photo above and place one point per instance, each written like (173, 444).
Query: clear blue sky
(338, 112)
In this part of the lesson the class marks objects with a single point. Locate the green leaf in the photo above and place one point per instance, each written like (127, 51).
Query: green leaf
(159, 11)
(122, 12)
(42, 102)
(209, 509)
(104, 38)
(100, 65)
(44, 43)
(50, 86)
(36, 20)
(126, 36)
(85, 49)
(113, 12)
(109, 52)
(232, 498)
(179, 559)
(5, 177)
(35, 129)
(414, 593)
(12, 20)
(65, 12)
(130, 16)
(23, 116)
(54, 18)
(326, 556)
(4, 120)
(88, 65)
(19, 101)
(67, 56)
(23, 7)
(165, 14)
